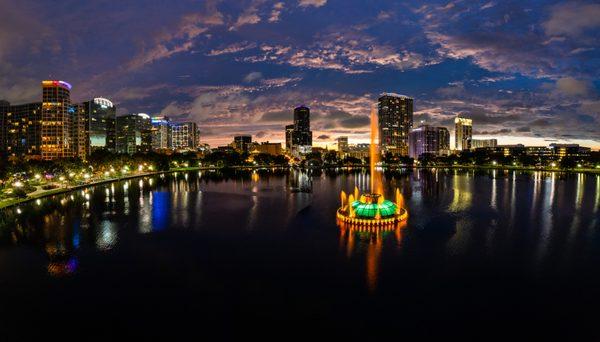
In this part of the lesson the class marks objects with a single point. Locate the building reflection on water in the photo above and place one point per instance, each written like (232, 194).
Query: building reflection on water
(555, 215)
(367, 242)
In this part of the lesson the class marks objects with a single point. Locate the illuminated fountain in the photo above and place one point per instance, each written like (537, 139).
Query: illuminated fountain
(372, 210)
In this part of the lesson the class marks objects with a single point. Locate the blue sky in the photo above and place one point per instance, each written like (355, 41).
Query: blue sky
(525, 72)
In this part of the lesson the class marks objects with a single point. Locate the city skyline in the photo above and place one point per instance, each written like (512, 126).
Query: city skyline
(530, 74)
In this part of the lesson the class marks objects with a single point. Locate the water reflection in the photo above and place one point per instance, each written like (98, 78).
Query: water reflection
(543, 220)
(367, 242)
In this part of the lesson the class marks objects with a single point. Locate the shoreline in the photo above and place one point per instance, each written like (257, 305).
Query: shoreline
(58, 191)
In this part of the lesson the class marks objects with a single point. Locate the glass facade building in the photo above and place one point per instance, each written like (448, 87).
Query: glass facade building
(134, 133)
(463, 134)
(395, 120)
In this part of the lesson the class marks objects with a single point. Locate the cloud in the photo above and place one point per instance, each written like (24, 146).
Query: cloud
(324, 137)
(178, 39)
(313, 3)
(573, 87)
(233, 48)
(253, 76)
(349, 51)
(494, 39)
(572, 19)
(248, 17)
(276, 12)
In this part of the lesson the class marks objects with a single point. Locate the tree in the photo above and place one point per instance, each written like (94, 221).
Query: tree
(568, 163)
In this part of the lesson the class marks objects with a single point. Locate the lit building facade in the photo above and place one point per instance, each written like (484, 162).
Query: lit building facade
(428, 140)
(48, 130)
(479, 143)
(242, 143)
(301, 136)
(273, 149)
(162, 134)
(395, 120)
(463, 133)
(100, 117)
(569, 150)
(134, 133)
(342, 144)
(186, 136)
(58, 118)
(21, 130)
(289, 131)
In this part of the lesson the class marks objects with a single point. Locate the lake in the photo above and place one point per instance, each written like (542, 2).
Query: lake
(486, 254)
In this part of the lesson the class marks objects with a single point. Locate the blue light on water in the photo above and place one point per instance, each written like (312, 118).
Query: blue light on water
(160, 210)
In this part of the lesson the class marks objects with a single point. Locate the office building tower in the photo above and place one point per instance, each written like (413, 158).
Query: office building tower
(100, 123)
(185, 136)
(242, 143)
(342, 144)
(463, 134)
(301, 135)
(48, 130)
(80, 131)
(430, 140)
(289, 130)
(481, 143)
(21, 130)
(395, 116)
(134, 133)
(58, 117)
(161, 133)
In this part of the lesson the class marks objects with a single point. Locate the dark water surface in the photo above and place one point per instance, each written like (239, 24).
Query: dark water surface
(484, 255)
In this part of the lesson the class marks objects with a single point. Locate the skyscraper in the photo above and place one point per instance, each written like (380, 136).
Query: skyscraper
(100, 121)
(48, 130)
(463, 133)
(162, 134)
(134, 133)
(242, 143)
(302, 135)
(58, 117)
(427, 139)
(289, 130)
(185, 136)
(395, 114)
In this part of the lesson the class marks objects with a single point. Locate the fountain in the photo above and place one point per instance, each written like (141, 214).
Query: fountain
(372, 210)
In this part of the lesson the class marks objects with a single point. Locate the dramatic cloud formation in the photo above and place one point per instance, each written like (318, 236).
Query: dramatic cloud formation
(524, 71)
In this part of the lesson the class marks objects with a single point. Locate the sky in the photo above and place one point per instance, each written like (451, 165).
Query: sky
(524, 71)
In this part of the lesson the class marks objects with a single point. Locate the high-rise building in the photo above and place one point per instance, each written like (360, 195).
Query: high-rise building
(134, 133)
(427, 139)
(21, 130)
(301, 136)
(185, 136)
(100, 121)
(289, 130)
(395, 114)
(342, 144)
(161, 133)
(241, 143)
(463, 133)
(48, 130)
(481, 143)
(58, 118)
